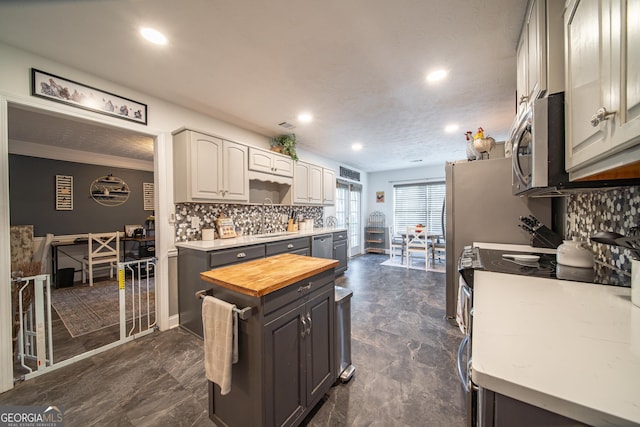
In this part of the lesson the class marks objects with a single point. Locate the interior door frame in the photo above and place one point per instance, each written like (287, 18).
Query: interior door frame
(163, 203)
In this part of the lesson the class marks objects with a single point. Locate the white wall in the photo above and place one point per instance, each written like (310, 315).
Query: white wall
(384, 181)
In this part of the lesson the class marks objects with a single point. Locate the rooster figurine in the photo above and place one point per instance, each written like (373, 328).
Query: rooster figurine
(472, 153)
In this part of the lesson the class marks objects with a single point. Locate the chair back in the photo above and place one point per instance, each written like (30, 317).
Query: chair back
(416, 238)
(104, 246)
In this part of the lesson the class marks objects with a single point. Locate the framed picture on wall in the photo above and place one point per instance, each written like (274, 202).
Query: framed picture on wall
(65, 91)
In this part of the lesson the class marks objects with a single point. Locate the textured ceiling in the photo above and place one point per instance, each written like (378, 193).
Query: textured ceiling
(358, 66)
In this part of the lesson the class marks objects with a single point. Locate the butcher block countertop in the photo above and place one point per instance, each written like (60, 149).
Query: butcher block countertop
(263, 276)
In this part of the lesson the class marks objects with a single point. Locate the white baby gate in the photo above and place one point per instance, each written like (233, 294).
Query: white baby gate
(35, 337)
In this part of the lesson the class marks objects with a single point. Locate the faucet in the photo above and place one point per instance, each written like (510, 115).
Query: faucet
(264, 216)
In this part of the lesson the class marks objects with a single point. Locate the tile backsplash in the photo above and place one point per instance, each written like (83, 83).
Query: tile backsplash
(612, 210)
(248, 219)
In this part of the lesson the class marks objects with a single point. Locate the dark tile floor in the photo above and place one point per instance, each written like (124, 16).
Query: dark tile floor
(403, 350)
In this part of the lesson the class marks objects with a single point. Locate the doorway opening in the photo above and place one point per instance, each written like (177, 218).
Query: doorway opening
(79, 319)
(348, 209)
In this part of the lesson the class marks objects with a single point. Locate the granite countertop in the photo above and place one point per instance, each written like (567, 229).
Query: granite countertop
(263, 276)
(211, 245)
(570, 347)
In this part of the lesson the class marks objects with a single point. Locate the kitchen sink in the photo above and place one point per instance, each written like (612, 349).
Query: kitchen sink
(270, 235)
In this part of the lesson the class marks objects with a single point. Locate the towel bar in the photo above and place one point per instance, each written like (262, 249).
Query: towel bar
(243, 314)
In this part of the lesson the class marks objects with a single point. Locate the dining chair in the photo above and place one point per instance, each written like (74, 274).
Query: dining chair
(437, 247)
(417, 243)
(103, 252)
(395, 243)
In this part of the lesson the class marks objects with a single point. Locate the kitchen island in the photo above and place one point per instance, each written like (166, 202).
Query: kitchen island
(286, 346)
(570, 348)
(195, 257)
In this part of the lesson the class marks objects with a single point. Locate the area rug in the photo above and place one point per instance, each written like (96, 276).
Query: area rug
(84, 309)
(417, 264)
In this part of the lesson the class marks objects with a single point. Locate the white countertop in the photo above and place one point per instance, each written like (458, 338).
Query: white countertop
(216, 244)
(570, 347)
(515, 248)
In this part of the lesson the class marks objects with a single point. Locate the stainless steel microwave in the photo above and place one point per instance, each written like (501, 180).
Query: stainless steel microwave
(537, 141)
(538, 153)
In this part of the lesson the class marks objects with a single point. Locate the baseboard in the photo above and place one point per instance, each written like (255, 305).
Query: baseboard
(174, 321)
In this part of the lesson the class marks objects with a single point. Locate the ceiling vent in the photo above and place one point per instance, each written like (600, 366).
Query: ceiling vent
(348, 173)
(286, 125)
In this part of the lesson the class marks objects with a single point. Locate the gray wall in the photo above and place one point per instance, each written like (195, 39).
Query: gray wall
(32, 197)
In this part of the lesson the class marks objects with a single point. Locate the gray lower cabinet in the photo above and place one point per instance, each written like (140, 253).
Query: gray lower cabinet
(498, 410)
(340, 250)
(190, 264)
(285, 356)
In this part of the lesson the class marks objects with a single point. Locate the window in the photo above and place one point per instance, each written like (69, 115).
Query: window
(419, 203)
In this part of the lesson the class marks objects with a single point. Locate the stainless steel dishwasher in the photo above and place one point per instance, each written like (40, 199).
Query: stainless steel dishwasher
(322, 246)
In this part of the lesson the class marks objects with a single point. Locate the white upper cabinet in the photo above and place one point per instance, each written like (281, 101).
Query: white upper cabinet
(235, 183)
(328, 186)
(208, 169)
(270, 162)
(539, 53)
(603, 85)
(307, 184)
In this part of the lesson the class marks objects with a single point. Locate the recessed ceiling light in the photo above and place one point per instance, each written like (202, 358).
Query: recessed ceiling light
(154, 36)
(305, 117)
(356, 147)
(451, 128)
(436, 75)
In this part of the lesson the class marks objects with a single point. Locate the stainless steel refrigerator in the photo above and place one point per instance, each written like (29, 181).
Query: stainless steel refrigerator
(481, 208)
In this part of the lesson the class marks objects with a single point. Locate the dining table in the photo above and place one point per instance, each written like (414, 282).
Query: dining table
(406, 237)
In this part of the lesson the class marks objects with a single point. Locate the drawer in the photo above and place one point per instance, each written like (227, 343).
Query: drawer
(284, 246)
(298, 290)
(231, 256)
(340, 235)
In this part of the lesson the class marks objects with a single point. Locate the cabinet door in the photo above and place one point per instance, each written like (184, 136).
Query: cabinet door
(236, 179)
(536, 50)
(315, 184)
(588, 80)
(285, 360)
(206, 166)
(522, 92)
(260, 160)
(630, 62)
(319, 342)
(301, 182)
(282, 166)
(328, 187)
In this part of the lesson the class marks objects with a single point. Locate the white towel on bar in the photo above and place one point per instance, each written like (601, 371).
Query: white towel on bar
(220, 330)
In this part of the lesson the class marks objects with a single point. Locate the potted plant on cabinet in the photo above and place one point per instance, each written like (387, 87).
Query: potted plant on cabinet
(285, 144)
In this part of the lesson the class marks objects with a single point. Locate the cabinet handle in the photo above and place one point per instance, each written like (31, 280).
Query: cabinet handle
(600, 116)
(304, 288)
(290, 246)
(309, 320)
(304, 326)
(241, 255)
(524, 99)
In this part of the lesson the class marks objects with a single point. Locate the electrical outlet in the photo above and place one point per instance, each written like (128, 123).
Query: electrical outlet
(285, 217)
(195, 222)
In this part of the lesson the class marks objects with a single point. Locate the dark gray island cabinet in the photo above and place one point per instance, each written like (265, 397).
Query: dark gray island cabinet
(286, 346)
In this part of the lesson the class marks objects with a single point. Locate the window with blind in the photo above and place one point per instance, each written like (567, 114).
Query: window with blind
(419, 203)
